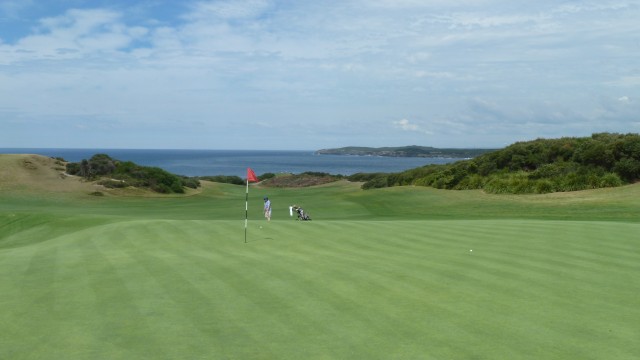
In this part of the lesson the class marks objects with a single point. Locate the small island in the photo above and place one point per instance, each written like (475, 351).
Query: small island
(406, 151)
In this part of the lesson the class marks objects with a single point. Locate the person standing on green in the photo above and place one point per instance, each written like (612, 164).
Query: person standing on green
(267, 208)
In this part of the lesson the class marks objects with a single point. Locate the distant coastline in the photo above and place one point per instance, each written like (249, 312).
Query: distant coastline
(235, 162)
(406, 151)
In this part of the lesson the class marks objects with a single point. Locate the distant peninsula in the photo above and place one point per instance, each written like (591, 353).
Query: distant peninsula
(406, 151)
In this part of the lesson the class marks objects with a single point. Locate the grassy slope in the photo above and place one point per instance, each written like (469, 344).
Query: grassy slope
(35, 173)
(553, 276)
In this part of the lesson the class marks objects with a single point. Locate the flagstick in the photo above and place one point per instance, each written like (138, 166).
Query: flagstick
(246, 211)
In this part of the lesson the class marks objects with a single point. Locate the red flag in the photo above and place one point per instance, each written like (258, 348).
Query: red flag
(251, 176)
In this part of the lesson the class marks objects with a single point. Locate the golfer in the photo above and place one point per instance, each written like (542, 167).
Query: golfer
(267, 208)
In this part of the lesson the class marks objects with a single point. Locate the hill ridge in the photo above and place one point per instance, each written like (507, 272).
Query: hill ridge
(537, 166)
(406, 151)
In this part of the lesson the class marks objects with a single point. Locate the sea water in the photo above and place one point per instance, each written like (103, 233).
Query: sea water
(236, 162)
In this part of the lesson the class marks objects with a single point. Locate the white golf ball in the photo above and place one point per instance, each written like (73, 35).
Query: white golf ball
(470, 250)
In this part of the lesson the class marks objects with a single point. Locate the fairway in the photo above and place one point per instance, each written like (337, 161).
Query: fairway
(375, 275)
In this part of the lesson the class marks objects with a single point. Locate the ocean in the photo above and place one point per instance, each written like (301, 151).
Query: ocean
(236, 162)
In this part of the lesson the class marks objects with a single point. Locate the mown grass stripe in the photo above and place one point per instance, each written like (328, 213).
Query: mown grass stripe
(133, 319)
(162, 261)
(375, 284)
(208, 303)
(338, 299)
(278, 284)
(34, 298)
(376, 289)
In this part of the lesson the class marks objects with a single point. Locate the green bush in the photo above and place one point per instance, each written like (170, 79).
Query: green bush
(628, 169)
(497, 186)
(236, 180)
(574, 182)
(128, 173)
(73, 168)
(190, 182)
(364, 177)
(321, 174)
(539, 166)
(113, 184)
(475, 181)
(378, 182)
(266, 176)
(544, 186)
(610, 180)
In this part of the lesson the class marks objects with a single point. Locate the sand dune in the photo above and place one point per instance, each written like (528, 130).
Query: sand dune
(35, 172)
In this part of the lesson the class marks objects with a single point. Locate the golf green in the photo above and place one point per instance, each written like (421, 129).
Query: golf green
(170, 289)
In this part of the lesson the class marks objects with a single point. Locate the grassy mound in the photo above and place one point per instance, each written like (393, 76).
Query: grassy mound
(24, 172)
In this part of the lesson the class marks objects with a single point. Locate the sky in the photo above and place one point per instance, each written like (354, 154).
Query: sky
(308, 75)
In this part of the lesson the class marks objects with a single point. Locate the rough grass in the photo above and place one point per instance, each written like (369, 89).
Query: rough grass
(377, 274)
(36, 173)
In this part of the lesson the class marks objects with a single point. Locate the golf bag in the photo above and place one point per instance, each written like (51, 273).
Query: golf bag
(302, 215)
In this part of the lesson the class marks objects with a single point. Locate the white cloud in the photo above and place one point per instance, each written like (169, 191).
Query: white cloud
(489, 68)
(478, 20)
(422, 4)
(598, 6)
(406, 125)
(228, 10)
(74, 35)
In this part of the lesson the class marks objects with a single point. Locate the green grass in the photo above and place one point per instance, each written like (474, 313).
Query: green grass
(381, 274)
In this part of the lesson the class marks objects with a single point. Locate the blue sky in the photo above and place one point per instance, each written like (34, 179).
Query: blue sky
(262, 74)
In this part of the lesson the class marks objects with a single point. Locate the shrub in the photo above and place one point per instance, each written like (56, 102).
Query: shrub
(594, 152)
(539, 166)
(190, 182)
(73, 168)
(472, 182)
(161, 188)
(574, 182)
(520, 184)
(176, 186)
(610, 180)
(378, 182)
(102, 164)
(362, 177)
(113, 184)
(236, 180)
(266, 176)
(497, 186)
(128, 173)
(318, 174)
(544, 186)
(628, 169)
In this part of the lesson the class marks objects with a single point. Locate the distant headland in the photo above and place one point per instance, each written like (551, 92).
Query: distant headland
(406, 151)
